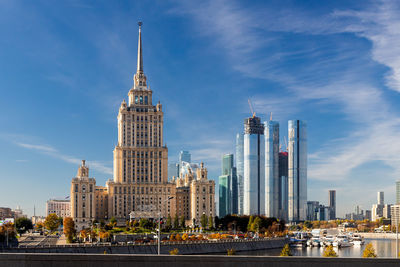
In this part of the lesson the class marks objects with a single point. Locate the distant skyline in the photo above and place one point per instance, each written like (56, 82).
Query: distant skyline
(65, 67)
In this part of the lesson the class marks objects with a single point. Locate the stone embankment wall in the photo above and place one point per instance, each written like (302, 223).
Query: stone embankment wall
(379, 235)
(90, 260)
(189, 248)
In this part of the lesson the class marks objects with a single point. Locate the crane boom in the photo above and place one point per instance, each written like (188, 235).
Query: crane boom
(284, 138)
(251, 108)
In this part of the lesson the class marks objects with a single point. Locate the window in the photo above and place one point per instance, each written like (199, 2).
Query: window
(83, 188)
(136, 99)
(76, 188)
(141, 99)
(145, 99)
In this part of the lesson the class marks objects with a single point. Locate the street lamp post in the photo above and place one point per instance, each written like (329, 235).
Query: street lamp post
(159, 226)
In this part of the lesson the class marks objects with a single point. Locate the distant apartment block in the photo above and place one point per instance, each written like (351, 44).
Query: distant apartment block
(61, 207)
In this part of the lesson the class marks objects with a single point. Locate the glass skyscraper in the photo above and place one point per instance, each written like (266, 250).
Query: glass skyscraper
(185, 156)
(240, 169)
(272, 169)
(228, 187)
(173, 170)
(283, 185)
(297, 170)
(254, 167)
(332, 204)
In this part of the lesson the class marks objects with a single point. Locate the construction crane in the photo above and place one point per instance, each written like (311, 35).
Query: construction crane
(284, 138)
(251, 108)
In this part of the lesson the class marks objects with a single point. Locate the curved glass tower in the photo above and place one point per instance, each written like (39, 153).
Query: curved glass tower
(254, 169)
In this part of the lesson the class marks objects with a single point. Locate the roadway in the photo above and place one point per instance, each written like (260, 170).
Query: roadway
(38, 241)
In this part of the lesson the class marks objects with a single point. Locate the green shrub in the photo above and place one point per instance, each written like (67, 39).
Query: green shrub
(286, 251)
(175, 251)
(369, 251)
(329, 252)
(231, 252)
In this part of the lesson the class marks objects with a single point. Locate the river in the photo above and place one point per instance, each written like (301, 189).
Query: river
(384, 248)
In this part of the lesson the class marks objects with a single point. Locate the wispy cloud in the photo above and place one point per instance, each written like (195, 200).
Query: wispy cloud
(53, 152)
(340, 77)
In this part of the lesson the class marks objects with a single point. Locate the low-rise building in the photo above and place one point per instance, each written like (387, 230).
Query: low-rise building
(60, 207)
(6, 213)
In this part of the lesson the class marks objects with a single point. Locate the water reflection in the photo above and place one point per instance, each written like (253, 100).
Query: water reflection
(384, 248)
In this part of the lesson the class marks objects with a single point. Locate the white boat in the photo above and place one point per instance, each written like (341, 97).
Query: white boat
(316, 242)
(342, 241)
(357, 240)
(328, 240)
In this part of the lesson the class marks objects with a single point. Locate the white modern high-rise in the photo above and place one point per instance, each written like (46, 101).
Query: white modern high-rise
(297, 171)
(272, 169)
(254, 169)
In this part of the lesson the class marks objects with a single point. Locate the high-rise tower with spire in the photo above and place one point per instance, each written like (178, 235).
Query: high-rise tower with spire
(140, 186)
(140, 157)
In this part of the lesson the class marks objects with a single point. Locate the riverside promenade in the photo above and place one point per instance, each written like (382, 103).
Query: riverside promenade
(185, 248)
(90, 260)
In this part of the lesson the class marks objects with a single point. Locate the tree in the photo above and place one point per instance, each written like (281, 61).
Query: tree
(23, 224)
(286, 251)
(255, 226)
(308, 224)
(51, 223)
(168, 225)
(369, 251)
(178, 237)
(104, 235)
(176, 222)
(210, 222)
(183, 224)
(39, 226)
(250, 223)
(329, 252)
(185, 237)
(113, 221)
(69, 229)
(203, 221)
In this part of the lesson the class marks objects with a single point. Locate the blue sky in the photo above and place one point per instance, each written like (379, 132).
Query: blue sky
(65, 67)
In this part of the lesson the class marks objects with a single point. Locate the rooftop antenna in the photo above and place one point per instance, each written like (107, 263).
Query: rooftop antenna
(270, 117)
(251, 108)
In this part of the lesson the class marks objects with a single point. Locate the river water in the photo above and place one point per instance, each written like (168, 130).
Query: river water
(384, 248)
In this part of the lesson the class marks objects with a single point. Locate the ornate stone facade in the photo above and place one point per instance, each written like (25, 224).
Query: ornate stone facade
(140, 183)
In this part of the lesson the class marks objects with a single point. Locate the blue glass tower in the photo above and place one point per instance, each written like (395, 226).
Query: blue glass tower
(254, 169)
(297, 171)
(272, 169)
(185, 156)
(240, 169)
(228, 192)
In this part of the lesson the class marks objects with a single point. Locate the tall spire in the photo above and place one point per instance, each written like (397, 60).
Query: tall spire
(140, 56)
(140, 78)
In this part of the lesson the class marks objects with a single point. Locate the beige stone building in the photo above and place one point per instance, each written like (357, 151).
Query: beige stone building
(140, 186)
(195, 194)
(61, 207)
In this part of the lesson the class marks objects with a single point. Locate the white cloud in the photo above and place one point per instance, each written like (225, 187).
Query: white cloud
(341, 79)
(53, 152)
